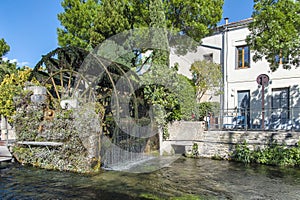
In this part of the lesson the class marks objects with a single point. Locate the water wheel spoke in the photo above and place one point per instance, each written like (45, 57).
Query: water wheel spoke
(90, 95)
(70, 81)
(77, 86)
(55, 87)
(61, 79)
(49, 93)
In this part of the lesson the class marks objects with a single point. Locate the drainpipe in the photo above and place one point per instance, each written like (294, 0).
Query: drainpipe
(224, 58)
(223, 72)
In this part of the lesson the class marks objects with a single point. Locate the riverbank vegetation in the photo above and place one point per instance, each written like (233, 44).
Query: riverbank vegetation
(273, 154)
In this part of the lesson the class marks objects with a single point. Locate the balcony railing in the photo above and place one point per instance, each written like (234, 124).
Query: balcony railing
(286, 119)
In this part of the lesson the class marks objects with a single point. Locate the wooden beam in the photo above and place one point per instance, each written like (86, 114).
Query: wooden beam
(34, 143)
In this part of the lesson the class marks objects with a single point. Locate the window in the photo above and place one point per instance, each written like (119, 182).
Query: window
(243, 117)
(208, 57)
(280, 59)
(280, 106)
(280, 98)
(243, 57)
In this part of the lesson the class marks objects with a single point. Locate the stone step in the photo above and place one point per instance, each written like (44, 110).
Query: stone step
(4, 152)
(4, 159)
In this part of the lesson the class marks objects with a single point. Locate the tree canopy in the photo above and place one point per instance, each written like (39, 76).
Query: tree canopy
(4, 48)
(160, 19)
(207, 76)
(86, 23)
(275, 32)
(6, 67)
(77, 20)
(12, 86)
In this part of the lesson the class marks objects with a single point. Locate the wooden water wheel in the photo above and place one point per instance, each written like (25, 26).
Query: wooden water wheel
(59, 72)
(72, 72)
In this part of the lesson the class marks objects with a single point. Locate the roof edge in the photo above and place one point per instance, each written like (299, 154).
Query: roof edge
(234, 25)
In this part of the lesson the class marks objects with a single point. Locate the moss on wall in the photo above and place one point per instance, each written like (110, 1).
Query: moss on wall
(79, 151)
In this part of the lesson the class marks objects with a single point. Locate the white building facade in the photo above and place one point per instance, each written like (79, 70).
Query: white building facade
(242, 105)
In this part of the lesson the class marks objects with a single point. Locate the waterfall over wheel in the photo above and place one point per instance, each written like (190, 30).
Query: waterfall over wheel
(110, 113)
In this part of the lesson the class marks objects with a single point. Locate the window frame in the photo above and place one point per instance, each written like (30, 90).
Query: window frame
(208, 57)
(242, 56)
(279, 110)
(285, 89)
(241, 110)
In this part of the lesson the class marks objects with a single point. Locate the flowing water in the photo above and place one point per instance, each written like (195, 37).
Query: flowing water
(189, 178)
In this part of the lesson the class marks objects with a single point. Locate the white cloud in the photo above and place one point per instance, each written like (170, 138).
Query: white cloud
(13, 61)
(19, 64)
(4, 59)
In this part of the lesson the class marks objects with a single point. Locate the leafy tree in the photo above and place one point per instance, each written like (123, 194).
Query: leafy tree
(159, 34)
(275, 32)
(11, 86)
(110, 20)
(4, 48)
(77, 20)
(158, 93)
(161, 91)
(208, 107)
(186, 96)
(6, 67)
(89, 22)
(86, 23)
(207, 76)
(195, 18)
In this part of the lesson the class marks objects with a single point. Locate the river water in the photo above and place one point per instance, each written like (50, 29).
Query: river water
(186, 178)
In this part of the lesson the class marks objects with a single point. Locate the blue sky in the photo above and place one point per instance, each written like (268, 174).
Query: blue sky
(29, 26)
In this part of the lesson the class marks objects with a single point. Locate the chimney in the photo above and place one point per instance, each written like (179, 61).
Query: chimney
(226, 20)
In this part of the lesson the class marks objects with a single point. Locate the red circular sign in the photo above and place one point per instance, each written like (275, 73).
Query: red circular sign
(262, 79)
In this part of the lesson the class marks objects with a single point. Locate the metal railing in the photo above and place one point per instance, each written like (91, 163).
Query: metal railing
(275, 119)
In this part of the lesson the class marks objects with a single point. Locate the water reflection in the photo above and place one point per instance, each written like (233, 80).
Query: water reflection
(203, 178)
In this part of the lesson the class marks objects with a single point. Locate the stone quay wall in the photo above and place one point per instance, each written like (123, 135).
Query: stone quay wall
(219, 143)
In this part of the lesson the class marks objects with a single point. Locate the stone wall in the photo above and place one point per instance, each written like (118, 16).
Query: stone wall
(219, 143)
(181, 136)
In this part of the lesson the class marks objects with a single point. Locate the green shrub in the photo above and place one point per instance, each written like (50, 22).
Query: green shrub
(187, 99)
(208, 107)
(242, 153)
(273, 154)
